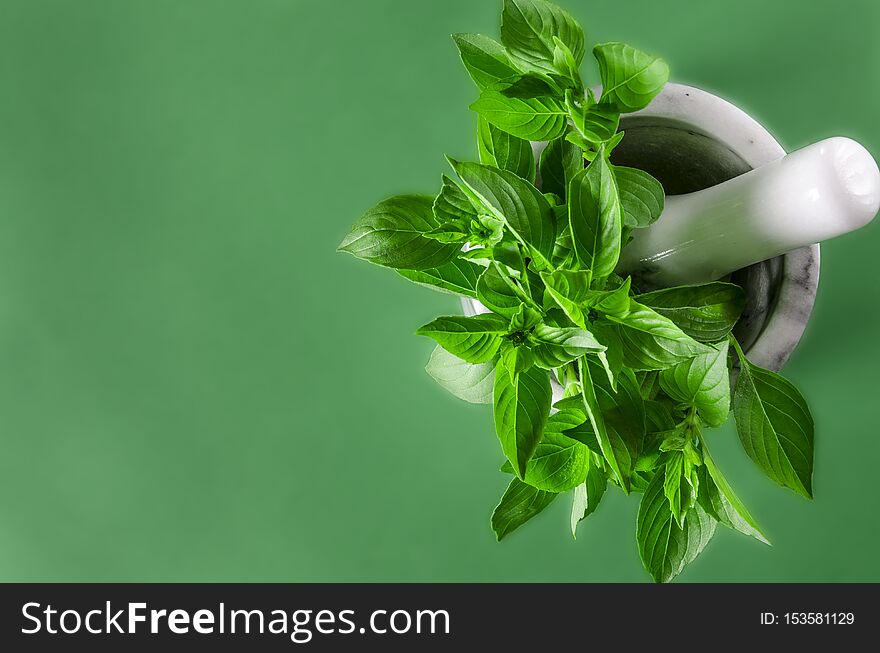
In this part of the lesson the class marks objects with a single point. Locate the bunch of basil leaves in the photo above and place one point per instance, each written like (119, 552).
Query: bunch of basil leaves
(641, 375)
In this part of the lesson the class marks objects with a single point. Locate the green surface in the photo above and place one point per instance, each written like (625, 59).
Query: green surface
(195, 386)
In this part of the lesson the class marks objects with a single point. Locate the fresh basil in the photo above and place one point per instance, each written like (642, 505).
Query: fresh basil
(486, 60)
(472, 383)
(473, 339)
(518, 505)
(640, 376)
(528, 29)
(459, 277)
(705, 312)
(595, 219)
(665, 546)
(522, 406)
(774, 425)
(505, 151)
(630, 78)
(392, 234)
(641, 196)
(702, 382)
(540, 118)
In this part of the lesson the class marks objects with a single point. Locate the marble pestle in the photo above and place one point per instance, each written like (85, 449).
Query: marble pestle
(821, 191)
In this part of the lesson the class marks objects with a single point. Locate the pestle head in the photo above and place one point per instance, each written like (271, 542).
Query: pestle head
(824, 190)
(858, 177)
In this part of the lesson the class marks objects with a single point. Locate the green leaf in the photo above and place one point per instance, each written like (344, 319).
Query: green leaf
(458, 277)
(559, 462)
(534, 119)
(719, 500)
(567, 67)
(555, 346)
(453, 205)
(515, 360)
(512, 199)
(392, 234)
(702, 382)
(612, 302)
(473, 339)
(560, 161)
(664, 546)
(653, 342)
(568, 289)
(597, 123)
(630, 78)
(706, 312)
(617, 418)
(623, 411)
(525, 86)
(641, 196)
(774, 425)
(505, 151)
(521, 410)
(595, 217)
(679, 486)
(528, 28)
(486, 60)
(506, 253)
(519, 504)
(473, 383)
(500, 293)
(587, 495)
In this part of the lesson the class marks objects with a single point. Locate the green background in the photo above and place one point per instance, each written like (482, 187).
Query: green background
(195, 386)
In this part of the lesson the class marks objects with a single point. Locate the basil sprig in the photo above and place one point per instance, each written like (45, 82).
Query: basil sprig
(642, 375)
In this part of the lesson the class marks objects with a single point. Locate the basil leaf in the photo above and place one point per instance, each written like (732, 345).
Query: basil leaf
(392, 234)
(458, 277)
(500, 293)
(505, 253)
(555, 346)
(526, 86)
(505, 151)
(774, 425)
(559, 462)
(702, 382)
(611, 302)
(560, 161)
(453, 205)
(624, 413)
(612, 358)
(679, 487)
(519, 504)
(522, 406)
(515, 360)
(587, 495)
(567, 289)
(594, 215)
(473, 339)
(617, 418)
(719, 500)
(512, 199)
(486, 60)
(473, 383)
(567, 67)
(651, 341)
(597, 123)
(563, 249)
(630, 78)
(706, 312)
(534, 119)
(528, 28)
(664, 546)
(641, 196)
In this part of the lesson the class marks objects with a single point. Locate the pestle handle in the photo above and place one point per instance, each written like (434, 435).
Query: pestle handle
(821, 191)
